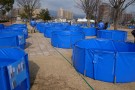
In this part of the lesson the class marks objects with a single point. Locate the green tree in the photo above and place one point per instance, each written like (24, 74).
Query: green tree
(6, 6)
(44, 14)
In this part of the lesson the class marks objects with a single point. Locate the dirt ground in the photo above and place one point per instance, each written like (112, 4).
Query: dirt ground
(50, 69)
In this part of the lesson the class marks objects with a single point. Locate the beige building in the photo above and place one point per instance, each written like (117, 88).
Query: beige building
(64, 14)
(126, 17)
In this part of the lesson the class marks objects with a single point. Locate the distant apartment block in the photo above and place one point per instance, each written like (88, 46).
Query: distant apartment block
(64, 14)
(127, 17)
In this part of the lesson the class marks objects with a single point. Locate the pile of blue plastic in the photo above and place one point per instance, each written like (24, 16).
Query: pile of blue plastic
(14, 67)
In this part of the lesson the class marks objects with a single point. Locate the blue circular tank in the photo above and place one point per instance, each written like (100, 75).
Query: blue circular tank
(66, 39)
(12, 39)
(49, 30)
(2, 26)
(105, 60)
(131, 27)
(73, 27)
(22, 30)
(14, 68)
(112, 35)
(19, 27)
(21, 37)
(89, 31)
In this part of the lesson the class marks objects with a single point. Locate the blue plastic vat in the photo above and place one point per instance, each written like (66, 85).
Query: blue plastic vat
(19, 27)
(2, 26)
(12, 39)
(14, 70)
(49, 30)
(89, 31)
(66, 39)
(112, 35)
(73, 27)
(105, 60)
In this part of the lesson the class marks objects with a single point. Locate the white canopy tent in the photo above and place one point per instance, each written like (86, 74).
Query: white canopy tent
(85, 20)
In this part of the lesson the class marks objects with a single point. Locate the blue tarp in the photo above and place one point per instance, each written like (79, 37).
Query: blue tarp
(66, 39)
(105, 60)
(14, 69)
(112, 35)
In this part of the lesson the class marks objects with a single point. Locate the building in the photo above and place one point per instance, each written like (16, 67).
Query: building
(127, 17)
(133, 15)
(104, 12)
(17, 11)
(64, 14)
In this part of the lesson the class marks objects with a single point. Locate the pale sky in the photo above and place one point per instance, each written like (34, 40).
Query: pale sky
(68, 5)
(65, 4)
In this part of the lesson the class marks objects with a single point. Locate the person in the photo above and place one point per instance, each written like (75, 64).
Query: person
(33, 25)
(100, 25)
(106, 25)
(133, 33)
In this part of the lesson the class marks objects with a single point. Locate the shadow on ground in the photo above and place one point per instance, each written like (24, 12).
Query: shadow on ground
(34, 68)
(28, 44)
(29, 36)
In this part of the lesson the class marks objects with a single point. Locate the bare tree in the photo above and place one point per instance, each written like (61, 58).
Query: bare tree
(88, 6)
(101, 12)
(6, 6)
(118, 7)
(29, 6)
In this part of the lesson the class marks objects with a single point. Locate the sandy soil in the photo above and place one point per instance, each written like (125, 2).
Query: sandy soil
(48, 69)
